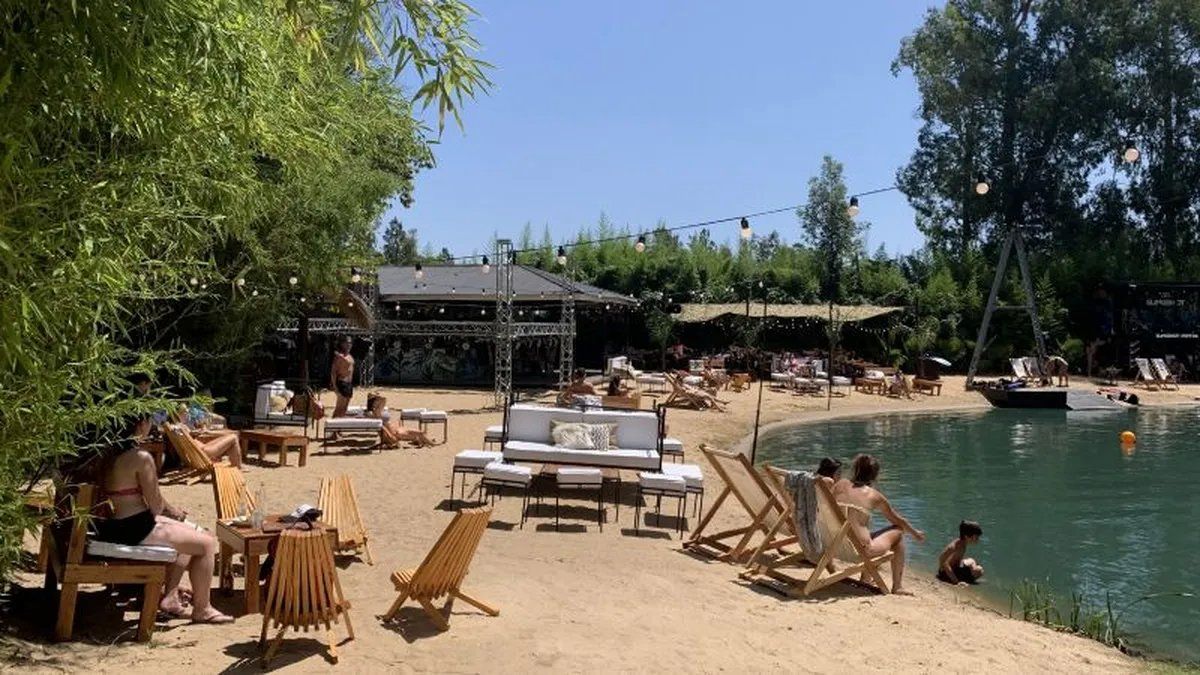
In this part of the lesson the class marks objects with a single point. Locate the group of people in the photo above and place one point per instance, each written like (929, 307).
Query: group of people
(859, 497)
(341, 381)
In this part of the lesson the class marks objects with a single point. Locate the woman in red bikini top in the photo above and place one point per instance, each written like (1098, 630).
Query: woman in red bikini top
(141, 516)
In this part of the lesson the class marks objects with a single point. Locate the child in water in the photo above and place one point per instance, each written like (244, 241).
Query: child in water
(953, 567)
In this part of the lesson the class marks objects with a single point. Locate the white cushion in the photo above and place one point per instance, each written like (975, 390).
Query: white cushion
(578, 476)
(693, 380)
(572, 435)
(690, 473)
(672, 446)
(781, 377)
(635, 428)
(874, 374)
(661, 481)
(353, 424)
(651, 379)
(839, 381)
(532, 423)
(509, 473)
(411, 413)
(282, 416)
(361, 410)
(495, 431)
(617, 458)
(434, 415)
(476, 459)
(107, 549)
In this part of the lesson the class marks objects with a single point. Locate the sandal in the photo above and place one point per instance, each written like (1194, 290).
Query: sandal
(213, 617)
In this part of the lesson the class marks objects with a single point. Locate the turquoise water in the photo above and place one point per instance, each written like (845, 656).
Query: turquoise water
(1057, 498)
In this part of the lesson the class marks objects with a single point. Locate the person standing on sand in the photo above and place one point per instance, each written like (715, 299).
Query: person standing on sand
(341, 376)
(859, 499)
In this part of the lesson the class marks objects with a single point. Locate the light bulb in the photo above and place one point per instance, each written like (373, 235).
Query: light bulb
(441, 310)
(562, 256)
(349, 303)
(1131, 154)
(853, 209)
(641, 243)
(981, 185)
(241, 282)
(293, 281)
(203, 286)
(483, 312)
(303, 299)
(193, 281)
(485, 268)
(355, 277)
(254, 293)
(418, 272)
(746, 231)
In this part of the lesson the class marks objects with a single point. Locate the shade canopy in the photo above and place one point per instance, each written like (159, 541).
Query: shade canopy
(696, 312)
(468, 283)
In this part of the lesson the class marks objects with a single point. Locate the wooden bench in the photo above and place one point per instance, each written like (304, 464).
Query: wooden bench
(871, 385)
(72, 566)
(931, 387)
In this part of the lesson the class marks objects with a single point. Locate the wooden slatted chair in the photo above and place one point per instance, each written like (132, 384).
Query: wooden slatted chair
(230, 493)
(196, 465)
(836, 536)
(443, 569)
(339, 507)
(760, 504)
(304, 591)
(1165, 376)
(72, 566)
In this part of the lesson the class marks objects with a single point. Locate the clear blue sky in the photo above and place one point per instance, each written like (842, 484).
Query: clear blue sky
(673, 110)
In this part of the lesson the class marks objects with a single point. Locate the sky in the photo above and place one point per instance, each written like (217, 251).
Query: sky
(674, 111)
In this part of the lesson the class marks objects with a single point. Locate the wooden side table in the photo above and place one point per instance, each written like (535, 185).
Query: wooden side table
(252, 544)
(263, 438)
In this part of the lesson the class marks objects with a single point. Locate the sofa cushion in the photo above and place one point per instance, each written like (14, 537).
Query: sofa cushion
(572, 435)
(578, 476)
(619, 458)
(107, 549)
(532, 423)
(635, 428)
(476, 459)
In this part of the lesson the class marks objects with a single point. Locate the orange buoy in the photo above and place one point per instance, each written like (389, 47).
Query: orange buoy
(1128, 438)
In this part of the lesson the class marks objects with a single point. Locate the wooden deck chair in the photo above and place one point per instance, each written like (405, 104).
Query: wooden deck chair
(339, 507)
(69, 565)
(1145, 375)
(1034, 367)
(304, 591)
(1163, 373)
(196, 465)
(840, 545)
(762, 508)
(230, 493)
(443, 569)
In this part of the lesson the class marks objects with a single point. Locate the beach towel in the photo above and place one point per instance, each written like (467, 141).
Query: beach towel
(803, 487)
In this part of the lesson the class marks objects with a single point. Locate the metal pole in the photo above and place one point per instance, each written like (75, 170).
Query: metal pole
(981, 339)
(758, 408)
(503, 324)
(829, 363)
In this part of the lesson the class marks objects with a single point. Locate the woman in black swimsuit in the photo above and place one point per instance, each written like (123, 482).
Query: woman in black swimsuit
(141, 515)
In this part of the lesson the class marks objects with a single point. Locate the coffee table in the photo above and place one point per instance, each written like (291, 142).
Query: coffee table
(608, 476)
(263, 438)
(253, 543)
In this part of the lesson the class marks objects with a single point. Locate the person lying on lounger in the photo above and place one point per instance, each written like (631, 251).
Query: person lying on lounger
(141, 516)
(860, 498)
(215, 445)
(393, 433)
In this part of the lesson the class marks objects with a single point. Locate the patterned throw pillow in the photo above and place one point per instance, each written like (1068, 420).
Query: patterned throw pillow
(573, 435)
(601, 435)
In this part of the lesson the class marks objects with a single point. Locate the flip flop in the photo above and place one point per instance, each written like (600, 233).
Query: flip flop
(181, 613)
(217, 618)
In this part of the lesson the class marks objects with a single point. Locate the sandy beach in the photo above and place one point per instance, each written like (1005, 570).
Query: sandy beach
(579, 600)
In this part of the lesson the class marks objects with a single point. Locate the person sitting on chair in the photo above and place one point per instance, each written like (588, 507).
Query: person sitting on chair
(215, 445)
(141, 516)
(393, 433)
(860, 498)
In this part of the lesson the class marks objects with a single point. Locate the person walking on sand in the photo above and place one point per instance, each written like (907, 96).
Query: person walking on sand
(860, 498)
(341, 376)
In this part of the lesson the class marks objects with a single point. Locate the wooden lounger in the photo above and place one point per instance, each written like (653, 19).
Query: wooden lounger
(196, 465)
(839, 541)
(761, 507)
(443, 569)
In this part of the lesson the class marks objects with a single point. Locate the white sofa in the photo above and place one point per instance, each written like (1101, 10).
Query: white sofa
(637, 439)
(262, 406)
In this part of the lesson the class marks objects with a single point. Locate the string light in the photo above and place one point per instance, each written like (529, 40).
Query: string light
(418, 273)
(441, 310)
(193, 281)
(203, 286)
(853, 209)
(746, 231)
(303, 299)
(355, 277)
(240, 282)
(1131, 153)
(486, 267)
(292, 281)
(254, 293)
(483, 312)
(562, 256)
(641, 243)
(981, 185)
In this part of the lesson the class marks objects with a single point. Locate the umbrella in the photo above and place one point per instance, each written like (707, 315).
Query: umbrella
(938, 360)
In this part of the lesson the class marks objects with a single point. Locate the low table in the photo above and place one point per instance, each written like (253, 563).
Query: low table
(263, 438)
(252, 543)
(608, 476)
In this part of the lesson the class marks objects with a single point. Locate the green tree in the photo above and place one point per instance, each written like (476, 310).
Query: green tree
(828, 227)
(399, 245)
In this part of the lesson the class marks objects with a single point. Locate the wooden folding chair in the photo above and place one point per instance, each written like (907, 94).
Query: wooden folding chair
(339, 507)
(1145, 374)
(304, 591)
(71, 567)
(839, 542)
(755, 497)
(230, 493)
(1163, 373)
(443, 569)
(196, 465)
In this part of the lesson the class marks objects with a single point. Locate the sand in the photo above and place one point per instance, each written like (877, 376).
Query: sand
(579, 600)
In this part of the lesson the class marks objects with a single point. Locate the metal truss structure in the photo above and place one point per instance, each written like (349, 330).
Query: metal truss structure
(503, 323)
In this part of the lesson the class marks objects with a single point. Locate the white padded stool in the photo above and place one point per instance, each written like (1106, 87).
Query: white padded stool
(493, 435)
(693, 480)
(580, 479)
(673, 448)
(429, 417)
(470, 462)
(497, 476)
(660, 485)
